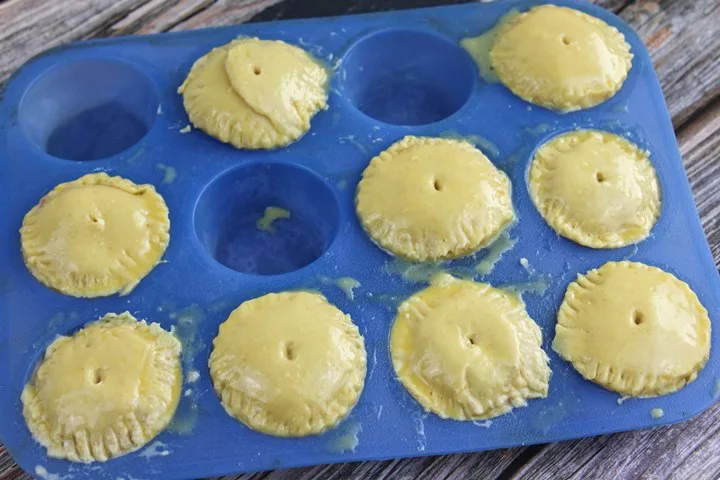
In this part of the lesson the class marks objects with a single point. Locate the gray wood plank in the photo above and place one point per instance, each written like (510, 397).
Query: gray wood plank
(8, 469)
(700, 147)
(28, 27)
(224, 13)
(684, 40)
(157, 16)
(485, 465)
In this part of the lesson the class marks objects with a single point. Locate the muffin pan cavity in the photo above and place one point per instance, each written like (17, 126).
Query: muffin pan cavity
(244, 224)
(266, 218)
(88, 109)
(407, 76)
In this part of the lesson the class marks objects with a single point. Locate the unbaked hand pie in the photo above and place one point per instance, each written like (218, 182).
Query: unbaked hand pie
(288, 364)
(595, 188)
(560, 58)
(467, 351)
(255, 94)
(105, 391)
(634, 329)
(428, 199)
(95, 236)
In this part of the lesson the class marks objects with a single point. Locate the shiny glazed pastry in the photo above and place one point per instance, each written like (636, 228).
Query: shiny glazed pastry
(428, 199)
(560, 58)
(95, 236)
(288, 364)
(255, 94)
(105, 391)
(595, 188)
(468, 351)
(634, 329)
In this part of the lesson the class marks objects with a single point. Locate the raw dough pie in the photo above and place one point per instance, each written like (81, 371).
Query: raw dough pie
(560, 58)
(95, 236)
(255, 94)
(466, 350)
(595, 188)
(288, 364)
(428, 199)
(634, 329)
(105, 391)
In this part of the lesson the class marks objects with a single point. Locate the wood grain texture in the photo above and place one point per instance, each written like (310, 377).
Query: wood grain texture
(683, 37)
(28, 27)
(700, 147)
(157, 16)
(8, 469)
(489, 465)
(288, 9)
(684, 40)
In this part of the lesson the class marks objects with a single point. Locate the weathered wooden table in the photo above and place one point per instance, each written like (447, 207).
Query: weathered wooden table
(683, 37)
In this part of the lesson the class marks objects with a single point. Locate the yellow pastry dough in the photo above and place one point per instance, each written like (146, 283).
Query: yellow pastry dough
(95, 236)
(466, 350)
(428, 199)
(595, 188)
(634, 329)
(560, 58)
(255, 94)
(105, 391)
(288, 364)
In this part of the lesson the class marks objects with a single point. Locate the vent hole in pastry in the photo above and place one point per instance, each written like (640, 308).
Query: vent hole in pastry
(437, 185)
(93, 219)
(98, 376)
(257, 70)
(471, 340)
(289, 351)
(638, 317)
(565, 40)
(600, 177)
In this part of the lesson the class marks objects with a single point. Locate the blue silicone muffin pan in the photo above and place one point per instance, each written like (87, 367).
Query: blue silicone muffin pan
(112, 105)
